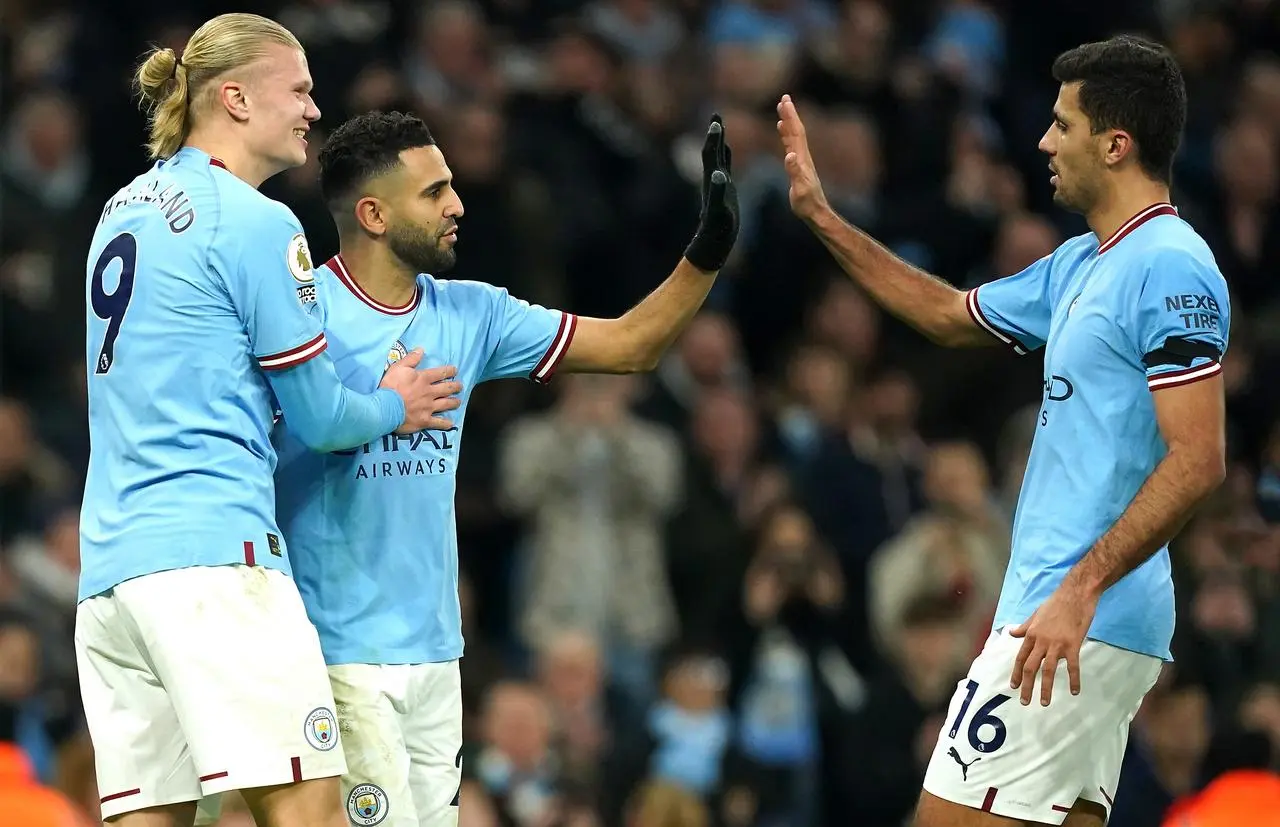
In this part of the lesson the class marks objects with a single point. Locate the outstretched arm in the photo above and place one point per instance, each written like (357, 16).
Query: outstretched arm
(929, 304)
(635, 341)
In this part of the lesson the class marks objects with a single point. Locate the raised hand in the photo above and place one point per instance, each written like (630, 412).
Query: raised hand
(805, 194)
(718, 225)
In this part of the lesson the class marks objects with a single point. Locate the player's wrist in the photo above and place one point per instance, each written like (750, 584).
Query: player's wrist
(705, 258)
(820, 217)
(1082, 584)
(706, 271)
(391, 405)
(713, 244)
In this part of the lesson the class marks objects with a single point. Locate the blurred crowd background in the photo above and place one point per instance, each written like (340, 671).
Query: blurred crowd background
(738, 592)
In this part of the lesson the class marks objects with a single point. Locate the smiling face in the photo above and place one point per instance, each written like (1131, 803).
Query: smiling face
(1077, 156)
(277, 107)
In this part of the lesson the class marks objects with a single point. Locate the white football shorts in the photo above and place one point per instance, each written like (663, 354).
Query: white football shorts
(201, 680)
(1033, 762)
(402, 733)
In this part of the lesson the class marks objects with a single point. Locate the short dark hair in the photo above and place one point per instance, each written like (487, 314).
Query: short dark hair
(1133, 84)
(364, 147)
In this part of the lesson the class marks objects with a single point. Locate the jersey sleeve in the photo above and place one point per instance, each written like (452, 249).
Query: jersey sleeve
(273, 287)
(1183, 320)
(1015, 309)
(325, 415)
(521, 339)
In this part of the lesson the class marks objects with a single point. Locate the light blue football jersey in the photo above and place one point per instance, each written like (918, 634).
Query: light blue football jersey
(1145, 310)
(372, 533)
(192, 290)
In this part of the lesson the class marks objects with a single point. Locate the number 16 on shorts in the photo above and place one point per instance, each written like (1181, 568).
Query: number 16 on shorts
(978, 746)
(1034, 762)
(983, 732)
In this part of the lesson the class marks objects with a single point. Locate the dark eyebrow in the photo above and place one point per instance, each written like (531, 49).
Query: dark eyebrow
(434, 185)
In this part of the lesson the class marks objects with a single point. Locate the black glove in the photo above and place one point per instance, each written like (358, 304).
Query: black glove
(718, 226)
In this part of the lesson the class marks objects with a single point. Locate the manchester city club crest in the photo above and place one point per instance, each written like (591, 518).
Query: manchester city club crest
(367, 805)
(398, 351)
(321, 729)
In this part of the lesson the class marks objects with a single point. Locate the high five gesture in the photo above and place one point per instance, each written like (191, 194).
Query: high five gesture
(805, 194)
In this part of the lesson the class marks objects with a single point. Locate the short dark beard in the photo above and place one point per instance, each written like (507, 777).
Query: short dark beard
(423, 252)
(1086, 194)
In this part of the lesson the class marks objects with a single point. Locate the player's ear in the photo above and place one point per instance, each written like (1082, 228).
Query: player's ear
(371, 216)
(234, 98)
(1118, 146)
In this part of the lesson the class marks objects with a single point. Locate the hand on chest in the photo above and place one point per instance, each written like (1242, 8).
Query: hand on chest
(363, 356)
